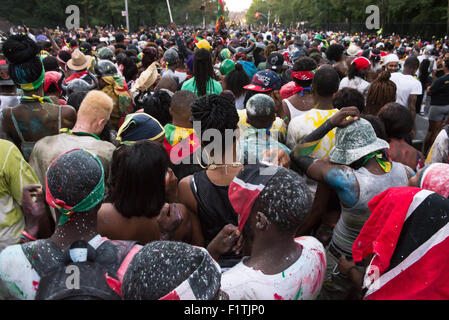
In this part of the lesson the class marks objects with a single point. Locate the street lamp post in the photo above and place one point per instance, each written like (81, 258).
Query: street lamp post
(127, 15)
(268, 17)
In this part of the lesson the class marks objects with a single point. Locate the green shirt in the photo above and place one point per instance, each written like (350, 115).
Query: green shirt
(15, 173)
(212, 87)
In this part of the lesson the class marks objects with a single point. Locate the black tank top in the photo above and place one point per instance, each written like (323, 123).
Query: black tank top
(214, 211)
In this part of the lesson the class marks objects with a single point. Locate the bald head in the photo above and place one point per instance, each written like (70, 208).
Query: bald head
(180, 106)
(168, 83)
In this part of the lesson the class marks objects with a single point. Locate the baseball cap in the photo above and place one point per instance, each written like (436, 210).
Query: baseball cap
(361, 63)
(171, 56)
(275, 61)
(227, 66)
(391, 58)
(297, 54)
(225, 54)
(264, 81)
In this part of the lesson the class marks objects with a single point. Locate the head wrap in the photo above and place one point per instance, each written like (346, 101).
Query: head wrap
(89, 202)
(246, 188)
(52, 77)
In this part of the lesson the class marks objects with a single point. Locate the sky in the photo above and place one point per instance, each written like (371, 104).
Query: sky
(238, 5)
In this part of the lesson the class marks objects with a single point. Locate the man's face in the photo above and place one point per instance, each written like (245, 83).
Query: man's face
(393, 67)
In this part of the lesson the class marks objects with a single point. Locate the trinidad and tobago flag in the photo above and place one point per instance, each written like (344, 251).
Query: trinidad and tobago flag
(180, 143)
(408, 234)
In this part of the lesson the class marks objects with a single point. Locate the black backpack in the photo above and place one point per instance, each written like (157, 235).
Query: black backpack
(84, 279)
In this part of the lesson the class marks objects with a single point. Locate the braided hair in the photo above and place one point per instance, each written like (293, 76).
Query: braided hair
(203, 70)
(215, 112)
(24, 64)
(381, 91)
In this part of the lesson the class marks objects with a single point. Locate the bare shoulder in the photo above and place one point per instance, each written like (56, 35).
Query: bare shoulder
(185, 194)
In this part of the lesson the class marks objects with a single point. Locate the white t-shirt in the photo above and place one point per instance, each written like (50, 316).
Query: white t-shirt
(301, 281)
(405, 86)
(357, 83)
(308, 122)
(239, 102)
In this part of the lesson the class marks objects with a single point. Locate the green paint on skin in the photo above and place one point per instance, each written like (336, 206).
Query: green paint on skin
(283, 275)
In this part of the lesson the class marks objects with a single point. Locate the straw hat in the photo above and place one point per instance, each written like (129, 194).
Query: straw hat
(147, 78)
(79, 61)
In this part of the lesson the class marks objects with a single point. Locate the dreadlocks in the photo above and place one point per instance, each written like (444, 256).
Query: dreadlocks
(381, 92)
(203, 70)
(215, 112)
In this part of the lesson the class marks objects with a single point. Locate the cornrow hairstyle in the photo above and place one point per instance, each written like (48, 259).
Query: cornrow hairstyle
(381, 91)
(203, 70)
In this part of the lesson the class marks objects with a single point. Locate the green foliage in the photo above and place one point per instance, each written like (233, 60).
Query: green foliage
(51, 13)
(318, 13)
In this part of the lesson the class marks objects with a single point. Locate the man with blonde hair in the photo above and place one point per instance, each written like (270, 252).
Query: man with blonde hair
(93, 114)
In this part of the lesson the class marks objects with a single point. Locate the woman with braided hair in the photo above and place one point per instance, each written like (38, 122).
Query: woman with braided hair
(203, 81)
(36, 116)
(381, 91)
(206, 192)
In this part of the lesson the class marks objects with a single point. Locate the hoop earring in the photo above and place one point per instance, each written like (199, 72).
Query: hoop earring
(201, 163)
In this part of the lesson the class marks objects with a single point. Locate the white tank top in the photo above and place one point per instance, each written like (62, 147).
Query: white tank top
(293, 111)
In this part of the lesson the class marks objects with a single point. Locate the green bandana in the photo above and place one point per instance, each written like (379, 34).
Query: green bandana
(94, 198)
(35, 98)
(385, 165)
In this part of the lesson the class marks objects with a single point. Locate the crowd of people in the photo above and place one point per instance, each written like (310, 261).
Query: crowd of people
(185, 163)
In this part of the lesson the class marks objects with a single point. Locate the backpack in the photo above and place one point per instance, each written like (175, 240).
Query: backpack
(80, 272)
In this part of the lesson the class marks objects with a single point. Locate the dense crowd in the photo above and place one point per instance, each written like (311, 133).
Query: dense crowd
(184, 163)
